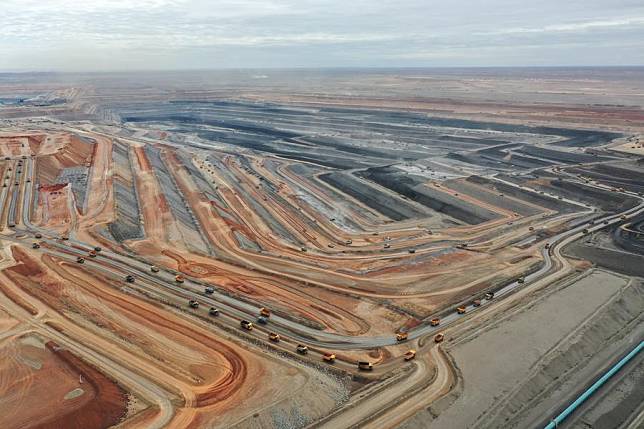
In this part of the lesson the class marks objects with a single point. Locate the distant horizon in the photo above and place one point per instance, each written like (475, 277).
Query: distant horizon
(321, 68)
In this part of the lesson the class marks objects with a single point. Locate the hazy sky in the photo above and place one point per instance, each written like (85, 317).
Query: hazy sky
(177, 34)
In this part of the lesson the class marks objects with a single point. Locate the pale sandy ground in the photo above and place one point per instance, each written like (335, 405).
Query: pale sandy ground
(496, 361)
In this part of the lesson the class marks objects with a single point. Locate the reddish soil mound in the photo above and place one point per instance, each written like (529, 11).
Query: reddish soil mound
(26, 265)
(75, 154)
(52, 188)
(107, 408)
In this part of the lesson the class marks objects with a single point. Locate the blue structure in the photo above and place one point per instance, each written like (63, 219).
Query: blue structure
(592, 389)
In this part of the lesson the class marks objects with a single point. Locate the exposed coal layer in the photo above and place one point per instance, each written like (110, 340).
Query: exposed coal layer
(175, 199)
(127, 225)
(546, 201)
(627, 263)
(490, 196)
(270, 220)
(77, 177)
(630, 237)
(500, 157)
(607, 201)
(390, 206)
(355, 138)
(413, 187)
(561, 156)
(628, 176)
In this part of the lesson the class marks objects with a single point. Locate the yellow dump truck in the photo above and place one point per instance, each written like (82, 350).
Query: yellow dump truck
(328, 357)
(435, 321)
(264, 312)
(410, 354)
(402, 336)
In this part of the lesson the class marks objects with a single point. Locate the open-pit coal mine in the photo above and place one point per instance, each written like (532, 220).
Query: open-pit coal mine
(211, 250)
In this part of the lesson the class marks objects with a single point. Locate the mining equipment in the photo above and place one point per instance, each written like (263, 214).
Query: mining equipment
(12, 225)
(328, 357)
(435, 321)
(274, 337)
(262, 320)
(154, 269)
(461, 310)
(98, 249)
(410, 354)
(521, 280)
(213, 311)
(489, 295)
(584, 231)
(623, 217)
(179, 278)
(209, 290)
(245, 324)
(129, 278)
(387, 245)
(531, 229)
(265, 312)
(64, 237)
(349, 242)
(303, 249)
(365, 366)
(80, 260)
(35, 246)
(412, 250)
(302, 349)
(193, 304)
(438, 338)
(92, 253)
(547, 246)
(476, 303)
(402, 336)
